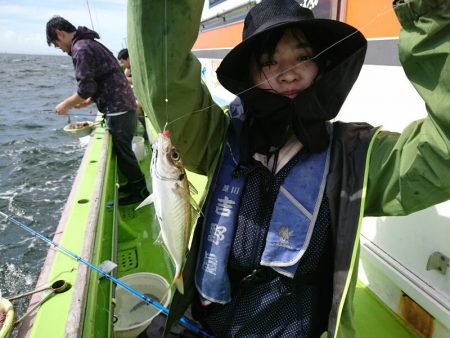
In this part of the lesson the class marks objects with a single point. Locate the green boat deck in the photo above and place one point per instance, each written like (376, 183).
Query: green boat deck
(374, 319)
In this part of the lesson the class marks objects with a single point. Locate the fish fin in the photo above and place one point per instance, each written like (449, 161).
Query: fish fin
(191, 200)
(149, 200)
(195, 206)
(194, 218)
(192, 189)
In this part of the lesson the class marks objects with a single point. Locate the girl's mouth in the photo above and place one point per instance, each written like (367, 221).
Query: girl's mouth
(291, 94)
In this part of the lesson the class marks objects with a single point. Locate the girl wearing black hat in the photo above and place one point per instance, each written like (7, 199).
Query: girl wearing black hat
(275, 251)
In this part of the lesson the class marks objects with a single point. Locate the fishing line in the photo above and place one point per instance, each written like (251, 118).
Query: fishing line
(166, 32)
(79, 115)
(370, 22)
(183, 320)
(90, 16)
(70, 114)
(97, 21)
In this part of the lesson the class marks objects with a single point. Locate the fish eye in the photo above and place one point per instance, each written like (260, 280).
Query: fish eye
(174, 155)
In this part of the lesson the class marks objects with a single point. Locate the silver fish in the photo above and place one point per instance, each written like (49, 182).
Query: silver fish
(171, 197)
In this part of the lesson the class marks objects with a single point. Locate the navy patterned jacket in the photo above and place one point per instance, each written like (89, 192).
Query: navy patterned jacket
(99, 75)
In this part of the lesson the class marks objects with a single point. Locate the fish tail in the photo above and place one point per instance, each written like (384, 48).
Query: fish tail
(178, 281)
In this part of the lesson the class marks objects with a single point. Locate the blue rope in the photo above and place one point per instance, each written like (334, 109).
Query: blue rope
(183, 320)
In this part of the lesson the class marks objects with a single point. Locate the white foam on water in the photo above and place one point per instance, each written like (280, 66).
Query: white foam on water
(14, 278)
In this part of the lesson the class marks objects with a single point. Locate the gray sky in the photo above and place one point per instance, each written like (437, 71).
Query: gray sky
(22, 23)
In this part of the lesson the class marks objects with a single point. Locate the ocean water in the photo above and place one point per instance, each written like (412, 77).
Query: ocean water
(38, 162)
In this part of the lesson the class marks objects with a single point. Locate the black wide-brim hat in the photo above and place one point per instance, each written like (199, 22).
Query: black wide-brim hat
(337, 40)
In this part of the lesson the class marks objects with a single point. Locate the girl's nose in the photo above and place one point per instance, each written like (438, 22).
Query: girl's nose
(288, 75)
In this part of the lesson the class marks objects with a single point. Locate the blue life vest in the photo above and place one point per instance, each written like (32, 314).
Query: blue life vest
(293, 219)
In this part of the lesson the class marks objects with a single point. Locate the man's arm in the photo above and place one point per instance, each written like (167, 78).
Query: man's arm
(73, 101)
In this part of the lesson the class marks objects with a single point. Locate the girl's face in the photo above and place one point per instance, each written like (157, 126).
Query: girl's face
(289, 70)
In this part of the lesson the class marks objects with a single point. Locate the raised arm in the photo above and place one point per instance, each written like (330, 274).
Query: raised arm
(166, 78)
(411, 171)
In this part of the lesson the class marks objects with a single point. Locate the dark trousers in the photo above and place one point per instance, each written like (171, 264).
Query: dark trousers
(122, 129)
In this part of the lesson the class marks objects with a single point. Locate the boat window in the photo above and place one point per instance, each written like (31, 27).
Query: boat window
(215, 2)
(325, 9)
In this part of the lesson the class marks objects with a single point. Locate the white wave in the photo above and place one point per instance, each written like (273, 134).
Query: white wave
(14, 278)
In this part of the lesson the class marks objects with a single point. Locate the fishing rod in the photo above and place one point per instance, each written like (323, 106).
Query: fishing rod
(183, 320)
(70, 114)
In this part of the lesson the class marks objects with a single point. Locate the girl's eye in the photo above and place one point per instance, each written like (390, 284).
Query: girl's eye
(267, 63)
(304, 58)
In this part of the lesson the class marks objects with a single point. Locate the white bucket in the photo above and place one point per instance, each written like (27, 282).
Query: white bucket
(134, 315)
(138, 147)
